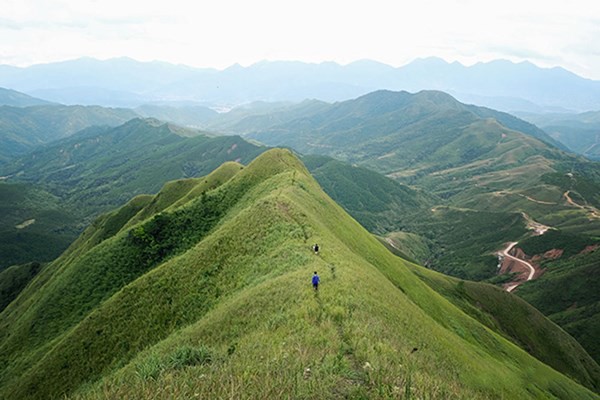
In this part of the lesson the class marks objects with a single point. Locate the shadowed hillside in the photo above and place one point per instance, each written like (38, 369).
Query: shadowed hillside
(203, 291)
(96, 170)
(24, 128)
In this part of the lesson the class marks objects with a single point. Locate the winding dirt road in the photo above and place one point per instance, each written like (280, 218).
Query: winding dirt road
(506, 254)
(592, 210)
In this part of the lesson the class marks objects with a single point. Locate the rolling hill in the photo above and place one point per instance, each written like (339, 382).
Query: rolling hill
(379, 203)
(568, 291)
(579, 132)
(471, 157)
(203, 291)
(34, 225)
(24, 128)
(13, 98)
(98, 169)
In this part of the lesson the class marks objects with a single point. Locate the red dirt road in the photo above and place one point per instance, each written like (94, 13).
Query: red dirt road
(513, 264)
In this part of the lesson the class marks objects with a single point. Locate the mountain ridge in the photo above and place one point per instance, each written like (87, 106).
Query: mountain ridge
(545, 88)
(239, 290)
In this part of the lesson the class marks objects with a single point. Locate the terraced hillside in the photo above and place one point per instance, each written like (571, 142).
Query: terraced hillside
(204, 291)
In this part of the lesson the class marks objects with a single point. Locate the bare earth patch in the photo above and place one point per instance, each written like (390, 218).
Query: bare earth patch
(25, 224)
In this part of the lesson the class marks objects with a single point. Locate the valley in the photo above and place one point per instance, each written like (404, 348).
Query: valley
(175, 275)
(458, 190)
(299, 200)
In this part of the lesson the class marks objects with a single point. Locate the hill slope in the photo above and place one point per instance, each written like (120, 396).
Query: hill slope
(484, 167)
(569, 290)
(24, 128)
(16, 99)
(98, 169)
(108, 166)
(212, 295)
(579, 132)
(34, 225)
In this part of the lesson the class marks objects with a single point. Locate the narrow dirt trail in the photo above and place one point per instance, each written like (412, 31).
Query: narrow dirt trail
(506, 254)
(594, 213)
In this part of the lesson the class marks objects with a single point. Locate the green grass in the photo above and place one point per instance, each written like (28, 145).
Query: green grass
(234, 315)
(99, 169)
(571, 244)
(14, 279)
(34, 225)
(569, 294)
(516, 320)
(22, 129)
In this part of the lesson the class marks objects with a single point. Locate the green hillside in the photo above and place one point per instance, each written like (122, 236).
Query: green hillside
(380, 204)
(14, 279)
(24, 128)
(206, 294)
(473, 157)
(104, 167)
(13, 98)
(94, 171)
(34, 225)
(578, 132)
(569, 290)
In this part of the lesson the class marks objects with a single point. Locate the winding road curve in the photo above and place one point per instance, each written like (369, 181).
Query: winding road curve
(506, 253)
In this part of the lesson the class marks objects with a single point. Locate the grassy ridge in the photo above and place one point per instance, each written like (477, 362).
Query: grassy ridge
(98, 268)
(234, 314)
(98, 169)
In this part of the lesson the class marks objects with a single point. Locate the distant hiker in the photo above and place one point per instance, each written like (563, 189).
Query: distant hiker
(315, 281)
(316, 248)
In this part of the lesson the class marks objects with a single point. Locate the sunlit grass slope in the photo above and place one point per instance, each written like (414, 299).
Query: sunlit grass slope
(517, 320)
(211, 298)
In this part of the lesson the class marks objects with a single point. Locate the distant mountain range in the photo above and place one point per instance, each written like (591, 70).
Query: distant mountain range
(121, 82)
(579, 132)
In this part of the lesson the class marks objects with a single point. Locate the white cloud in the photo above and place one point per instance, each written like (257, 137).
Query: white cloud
(220, 33)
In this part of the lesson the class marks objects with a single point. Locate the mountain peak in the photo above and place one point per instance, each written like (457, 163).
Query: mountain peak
(275, 161)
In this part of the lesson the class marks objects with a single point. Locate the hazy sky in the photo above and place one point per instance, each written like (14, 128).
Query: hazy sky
(220, 33)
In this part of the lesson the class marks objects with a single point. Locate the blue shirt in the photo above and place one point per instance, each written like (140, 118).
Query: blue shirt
(315, 279)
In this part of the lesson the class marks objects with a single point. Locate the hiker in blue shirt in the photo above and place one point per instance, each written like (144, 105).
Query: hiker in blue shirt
(315, 281)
